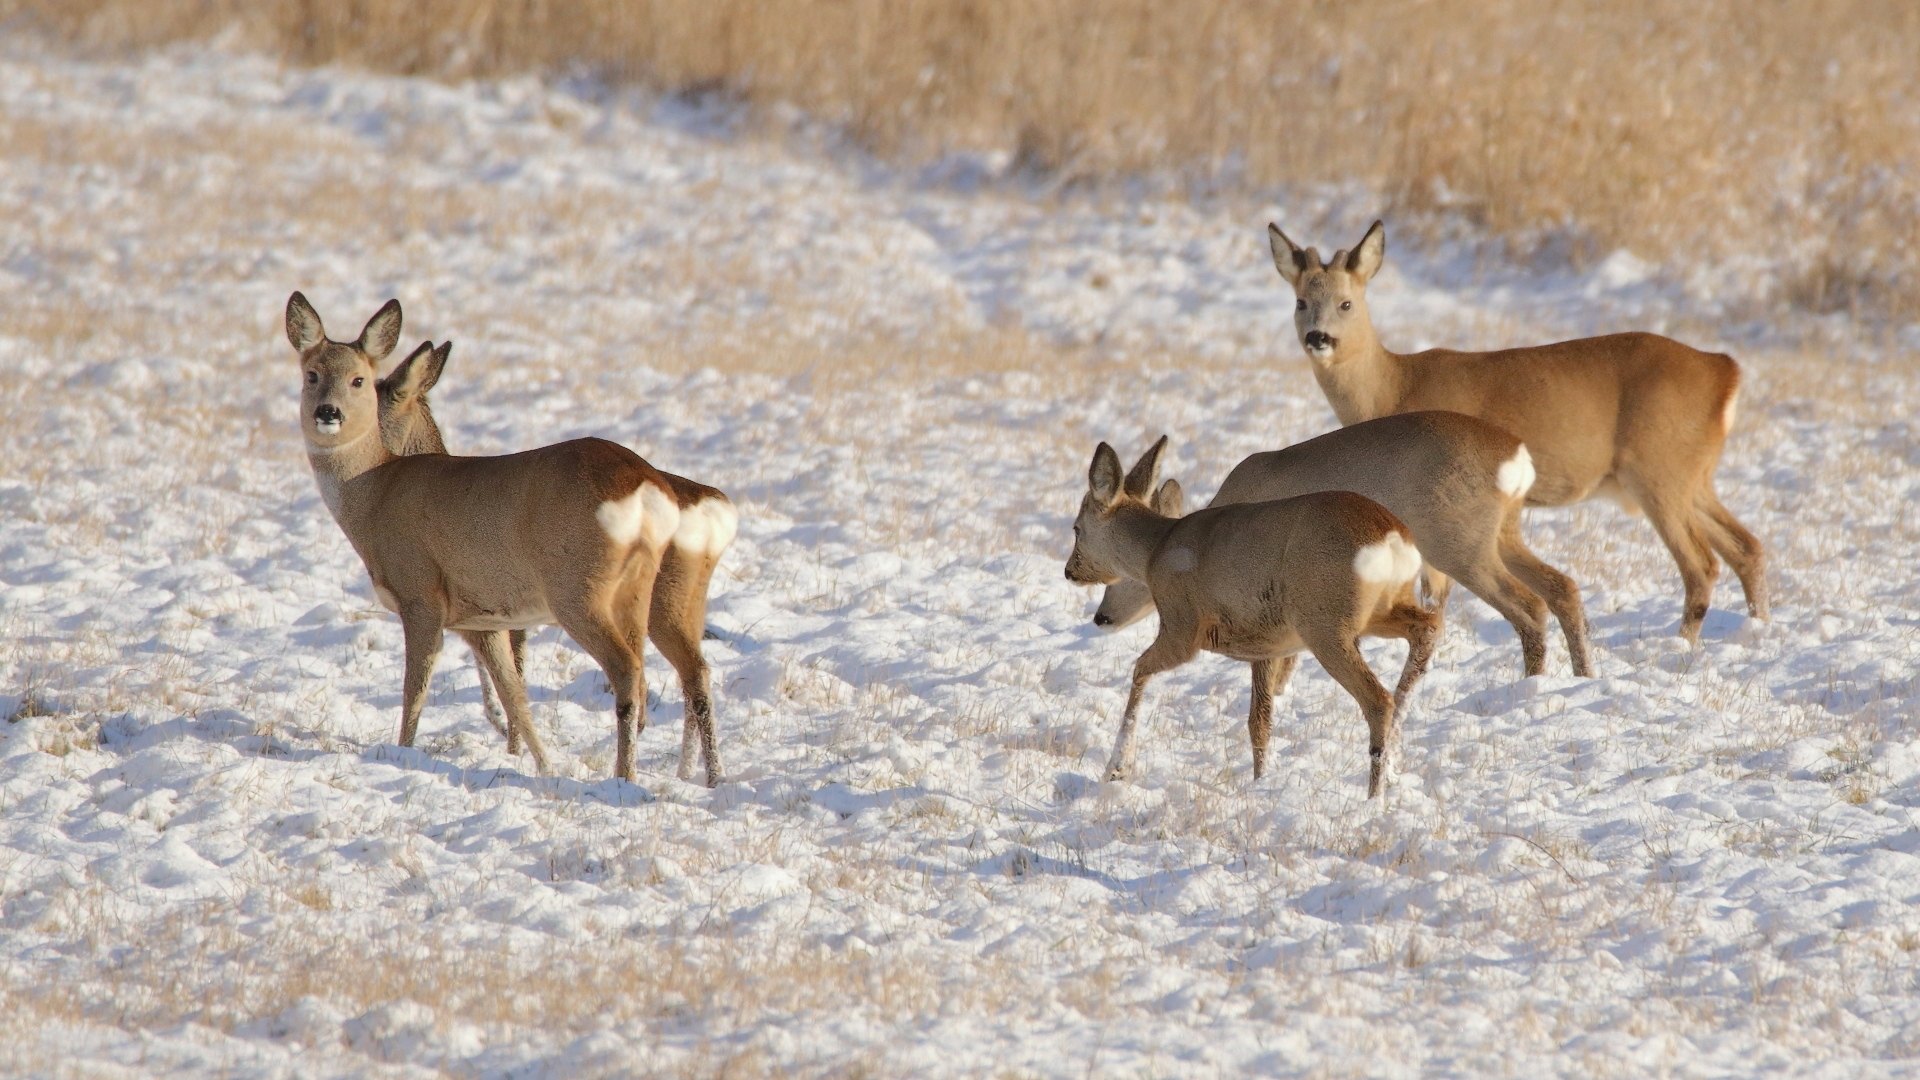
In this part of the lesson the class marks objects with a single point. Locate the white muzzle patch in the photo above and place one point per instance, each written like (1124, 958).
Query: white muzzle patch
(1392, 561)
(1515, 477)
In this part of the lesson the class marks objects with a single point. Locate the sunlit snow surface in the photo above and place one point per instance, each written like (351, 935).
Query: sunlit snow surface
(213, 859)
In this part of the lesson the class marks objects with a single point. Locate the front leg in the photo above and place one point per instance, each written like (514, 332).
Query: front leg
(1172, 648)
(423, 629)
(491, 649)
(1269, 679)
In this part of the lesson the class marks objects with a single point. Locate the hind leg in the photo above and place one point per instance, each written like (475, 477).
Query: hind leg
(1340, 656)
(1517, 604)
(1679, 527)
(1742, 550)
(1439, 587)
(675, 624)
(1563, 599)
(604, 640)
(680, 644)
(1421, 629)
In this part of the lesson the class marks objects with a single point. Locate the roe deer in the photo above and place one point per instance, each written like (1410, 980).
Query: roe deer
(1636, 417)
(571, 533)
(1258, 582)
(1458, 483)
(678, 608)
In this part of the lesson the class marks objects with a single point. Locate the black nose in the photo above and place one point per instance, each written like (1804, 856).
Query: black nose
(328, 414)
(1319, 339)
(1101, 618)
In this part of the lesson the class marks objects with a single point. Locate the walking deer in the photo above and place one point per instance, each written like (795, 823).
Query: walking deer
(1636, 417)
(677, 612)
(1458, 484)
(1257, 582)
(572, 533)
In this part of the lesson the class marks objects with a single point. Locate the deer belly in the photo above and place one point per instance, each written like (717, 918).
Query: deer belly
(504, 617)
(1250, 643)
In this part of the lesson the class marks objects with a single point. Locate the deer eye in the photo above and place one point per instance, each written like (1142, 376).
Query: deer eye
(1345, 305)
(313, 378)
(1300, 305)
(358, 382)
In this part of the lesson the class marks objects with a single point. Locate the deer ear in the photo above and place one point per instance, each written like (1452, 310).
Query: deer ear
(1103, 476)
(381, 333)
(412, 376)
(303, 324)
(1367, 256)
(1145, 471)
(435, 365)
(1170, 501)
(1288, 258)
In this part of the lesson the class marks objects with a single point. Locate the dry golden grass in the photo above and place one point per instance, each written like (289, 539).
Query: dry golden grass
(1682, 130)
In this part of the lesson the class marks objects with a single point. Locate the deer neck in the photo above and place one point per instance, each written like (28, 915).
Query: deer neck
(1137, 533)
(1362, 380)
(334, 466)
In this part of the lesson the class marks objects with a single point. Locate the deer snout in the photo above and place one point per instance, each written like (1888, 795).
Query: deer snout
(328, 419)
(1318, 341)
(1101, 618)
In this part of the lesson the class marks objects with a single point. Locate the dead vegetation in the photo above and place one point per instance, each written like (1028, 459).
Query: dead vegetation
(1687, 132)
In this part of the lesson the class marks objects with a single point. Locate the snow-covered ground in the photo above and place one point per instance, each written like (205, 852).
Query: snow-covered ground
(215, 861)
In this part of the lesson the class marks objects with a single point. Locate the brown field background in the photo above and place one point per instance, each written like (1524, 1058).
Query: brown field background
(1776, 139)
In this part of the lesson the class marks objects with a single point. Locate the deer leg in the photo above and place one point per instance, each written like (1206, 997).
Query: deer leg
(490, 648)
(1260, 715)
(1439, 588)
(489, 703)
(675, 624)
(1421, 629)
(517, 640)
(1270, 678)
(1340, 656)
(1167, 651)
(679, 642)
(1517, 604)
(1563, 599)
(1679, 527)
(421, 626)
(596, 633)
(1742, 550)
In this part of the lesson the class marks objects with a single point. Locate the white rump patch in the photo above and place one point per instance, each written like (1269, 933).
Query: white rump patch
(649, 515)
(706, 527)
(1515, 477)
(1180, 560)
(1726, 414)
(1392, 561)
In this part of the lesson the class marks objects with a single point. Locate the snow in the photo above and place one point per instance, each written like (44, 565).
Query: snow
(214, 858)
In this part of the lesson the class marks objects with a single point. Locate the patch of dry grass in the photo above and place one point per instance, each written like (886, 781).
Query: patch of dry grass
(1686, 131)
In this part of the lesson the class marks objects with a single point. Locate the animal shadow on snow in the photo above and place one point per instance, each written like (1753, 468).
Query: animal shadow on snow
(126, 737)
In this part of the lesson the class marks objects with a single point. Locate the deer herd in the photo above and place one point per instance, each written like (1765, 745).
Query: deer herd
(1307, 548)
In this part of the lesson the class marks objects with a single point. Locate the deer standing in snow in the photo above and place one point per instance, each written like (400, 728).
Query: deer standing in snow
(1457, 482)
(676, 620)
(1636, 417)
(1257, 582)
(572, 533)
